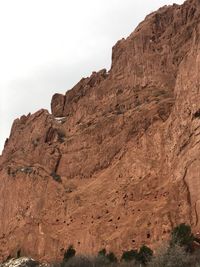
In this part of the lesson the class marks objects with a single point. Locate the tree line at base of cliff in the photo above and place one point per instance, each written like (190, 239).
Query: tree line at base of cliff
(182, 250)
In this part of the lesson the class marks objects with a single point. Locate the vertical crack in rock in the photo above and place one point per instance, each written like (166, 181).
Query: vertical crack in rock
(188, 190)
(191, 198)
(65, 98)
(58, 160)
(196, 212)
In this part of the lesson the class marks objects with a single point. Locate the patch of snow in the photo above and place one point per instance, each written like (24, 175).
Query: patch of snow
(23, 261)
(60, 119)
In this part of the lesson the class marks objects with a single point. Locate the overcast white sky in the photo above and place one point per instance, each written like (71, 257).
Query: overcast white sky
(48, 45)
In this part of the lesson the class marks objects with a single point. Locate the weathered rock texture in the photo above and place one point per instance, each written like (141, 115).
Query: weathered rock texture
(117, 163)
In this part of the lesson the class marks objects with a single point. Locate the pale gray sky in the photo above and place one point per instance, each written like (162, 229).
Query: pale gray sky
(48, 45)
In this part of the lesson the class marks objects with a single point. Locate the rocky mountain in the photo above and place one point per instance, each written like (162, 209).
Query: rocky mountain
(117, 162)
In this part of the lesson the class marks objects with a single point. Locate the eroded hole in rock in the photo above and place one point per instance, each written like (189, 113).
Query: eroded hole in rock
(148, 235)
(133, 240)
(196, 115)
(35, 142)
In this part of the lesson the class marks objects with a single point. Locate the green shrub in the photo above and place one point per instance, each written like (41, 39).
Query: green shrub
(111, 257)
(102, 252)
(69, 253)
(129, 255)
(145, 254)
(182, 235)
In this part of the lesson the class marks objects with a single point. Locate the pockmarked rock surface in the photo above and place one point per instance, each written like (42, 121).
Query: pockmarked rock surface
(117, 163)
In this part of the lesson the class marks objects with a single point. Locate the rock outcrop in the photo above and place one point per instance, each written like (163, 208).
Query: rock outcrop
(117, 163)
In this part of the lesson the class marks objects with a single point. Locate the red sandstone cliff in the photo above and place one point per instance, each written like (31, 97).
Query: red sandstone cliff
(126, 144)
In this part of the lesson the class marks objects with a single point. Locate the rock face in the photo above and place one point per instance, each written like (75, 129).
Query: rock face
(117, 163)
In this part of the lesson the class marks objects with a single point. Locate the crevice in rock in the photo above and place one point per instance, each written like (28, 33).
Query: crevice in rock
(58, 161)
(187, 186)
(196, 213)
(64, 105)
(196, 144)
(196, 115)
(183, 146)
(188, 190)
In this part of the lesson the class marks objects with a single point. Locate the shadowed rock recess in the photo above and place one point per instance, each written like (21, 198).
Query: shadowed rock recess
(117, 163)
